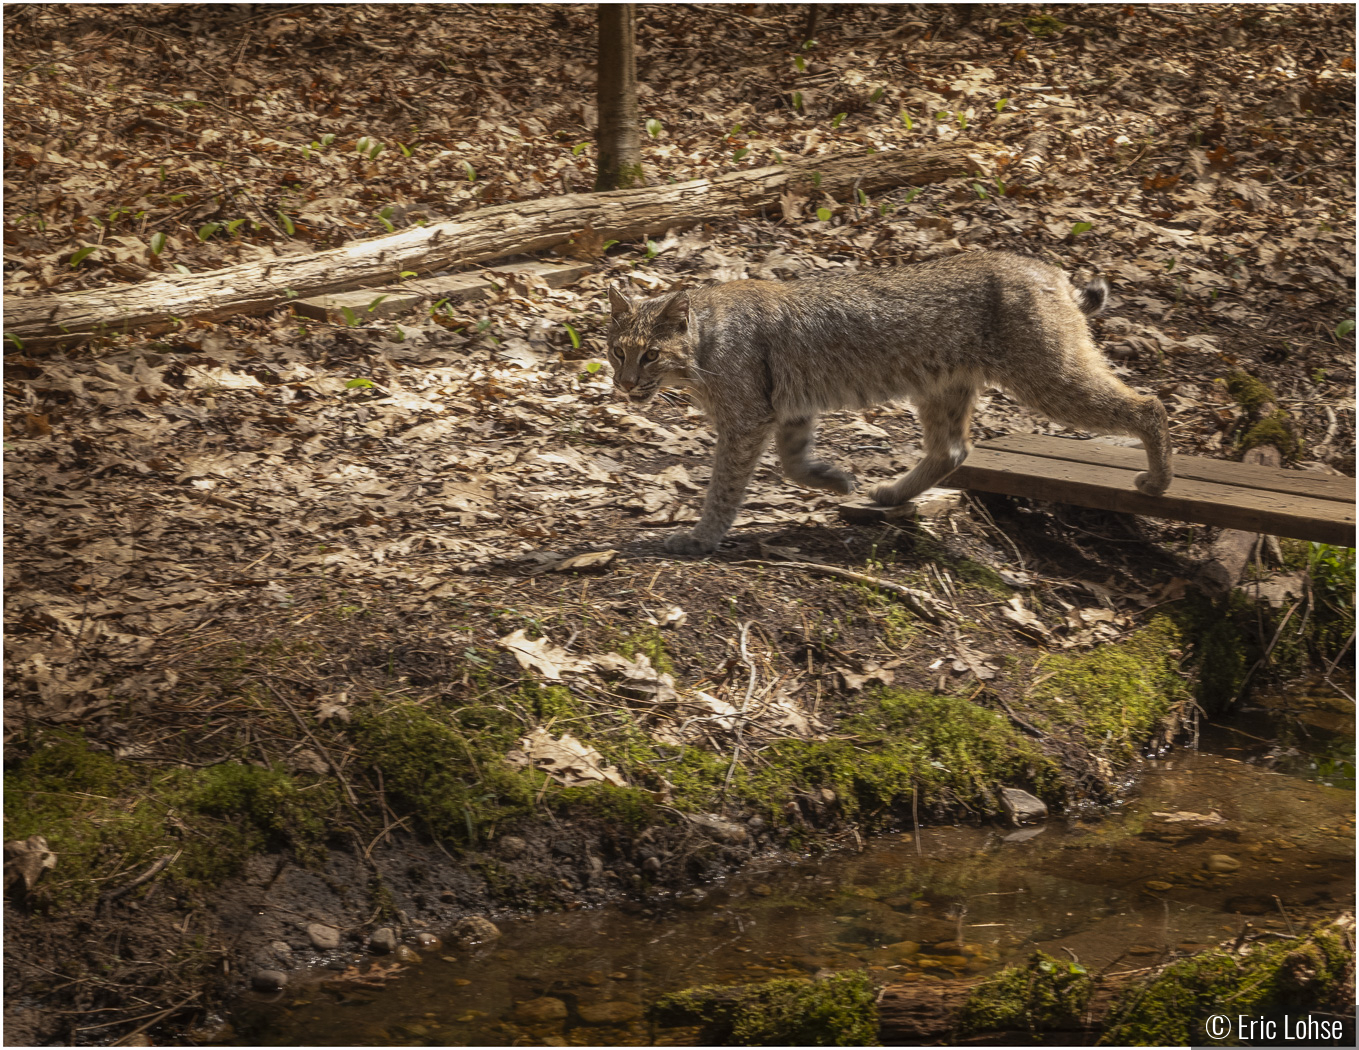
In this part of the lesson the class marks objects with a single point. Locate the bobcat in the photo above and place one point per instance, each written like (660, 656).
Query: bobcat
(764, 357)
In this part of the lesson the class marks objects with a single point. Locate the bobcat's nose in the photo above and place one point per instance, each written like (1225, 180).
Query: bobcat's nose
(627, 384)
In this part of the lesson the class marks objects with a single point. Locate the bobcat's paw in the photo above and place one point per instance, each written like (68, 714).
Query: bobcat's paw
(1149, 486)
(885, 495)
(824, 476)
(686, 543)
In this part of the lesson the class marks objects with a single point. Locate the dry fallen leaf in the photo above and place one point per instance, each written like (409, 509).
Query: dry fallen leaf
(565, 759)
(541, 655)
(27, 859)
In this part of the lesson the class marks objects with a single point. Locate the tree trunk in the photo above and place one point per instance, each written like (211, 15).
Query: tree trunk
(161, 305)
(618, 138)
(809, 27)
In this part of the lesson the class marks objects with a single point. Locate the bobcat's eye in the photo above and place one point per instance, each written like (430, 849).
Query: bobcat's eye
(650, 356)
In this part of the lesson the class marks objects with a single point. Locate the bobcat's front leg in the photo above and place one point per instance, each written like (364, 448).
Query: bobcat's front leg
(733, 463)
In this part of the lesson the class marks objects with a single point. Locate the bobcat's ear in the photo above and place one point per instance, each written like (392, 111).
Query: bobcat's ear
(677, 309)
(619, 302)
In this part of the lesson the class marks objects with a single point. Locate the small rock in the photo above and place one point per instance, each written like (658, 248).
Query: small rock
(476, 929)
(755, 823)
(1157, 886)
(323, 938)
(406, 954)
(723, 830)
(427, 941)
(615, 1012)
(216, 1031)
(540, 1011)
(761, 890)
(651, 865)
(594, 865)
(1222, 863)
(512, 846)
(1021, 806)
(268, 980)
(383, 940)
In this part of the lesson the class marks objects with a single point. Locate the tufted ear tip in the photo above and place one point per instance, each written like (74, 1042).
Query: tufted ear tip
(618, 300)
(677, 309)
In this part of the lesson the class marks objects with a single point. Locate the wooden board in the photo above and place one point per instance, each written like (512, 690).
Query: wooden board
(1196, 468)
(1209, 492)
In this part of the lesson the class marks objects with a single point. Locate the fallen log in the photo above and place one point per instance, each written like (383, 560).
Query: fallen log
(162, 304)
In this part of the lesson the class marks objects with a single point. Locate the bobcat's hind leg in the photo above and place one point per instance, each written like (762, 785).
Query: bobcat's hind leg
(1097, 401)
(945, 418)
(796, 441)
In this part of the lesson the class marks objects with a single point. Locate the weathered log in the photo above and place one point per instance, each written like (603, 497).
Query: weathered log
(162, 304)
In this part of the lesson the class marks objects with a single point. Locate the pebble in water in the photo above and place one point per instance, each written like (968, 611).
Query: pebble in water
(323, 938)
(406, 954)
(614, 1012)
(383, 940)
(476, 929)
(268, 980)
(427, 941)
(540, 1010)
(1221, 862)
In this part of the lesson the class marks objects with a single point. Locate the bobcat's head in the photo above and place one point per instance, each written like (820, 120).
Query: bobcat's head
(648, 343)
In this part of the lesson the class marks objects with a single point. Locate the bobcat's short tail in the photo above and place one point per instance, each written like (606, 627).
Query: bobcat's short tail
(1093, 296)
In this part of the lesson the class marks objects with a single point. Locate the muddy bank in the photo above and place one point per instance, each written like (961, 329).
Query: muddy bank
(264, 820)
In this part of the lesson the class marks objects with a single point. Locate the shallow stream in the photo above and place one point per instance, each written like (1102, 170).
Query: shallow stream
(1257, 824)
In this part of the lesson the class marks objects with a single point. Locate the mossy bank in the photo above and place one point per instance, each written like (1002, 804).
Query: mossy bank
(182, 861)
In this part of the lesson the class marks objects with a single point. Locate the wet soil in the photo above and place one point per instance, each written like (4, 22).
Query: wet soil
(1207, 841)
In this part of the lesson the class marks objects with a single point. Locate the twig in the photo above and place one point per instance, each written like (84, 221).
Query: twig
(1026, 726)
(123, 1041)
(978, 505)
(334, 766)
(1264, 657)
(915, 817)
(919, 602)
(1286, 919)
(146, 876)
(741, 722)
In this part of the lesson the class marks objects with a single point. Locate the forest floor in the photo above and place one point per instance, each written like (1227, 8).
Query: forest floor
(281, 596)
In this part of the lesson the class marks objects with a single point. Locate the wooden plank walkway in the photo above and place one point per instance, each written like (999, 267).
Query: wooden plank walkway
(1300, 504)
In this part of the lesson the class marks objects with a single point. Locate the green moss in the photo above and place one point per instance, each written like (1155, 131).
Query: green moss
(1116, 694)
(1044, 24)
(629, 807)
(1292, 976)
(947, 749)
(104, 817)
(447, 769)
(1248, 392)
(1275, 430)
(1223, 652)
(550, 702)
(1045, 994)
(648, 640)
(839, 1011)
